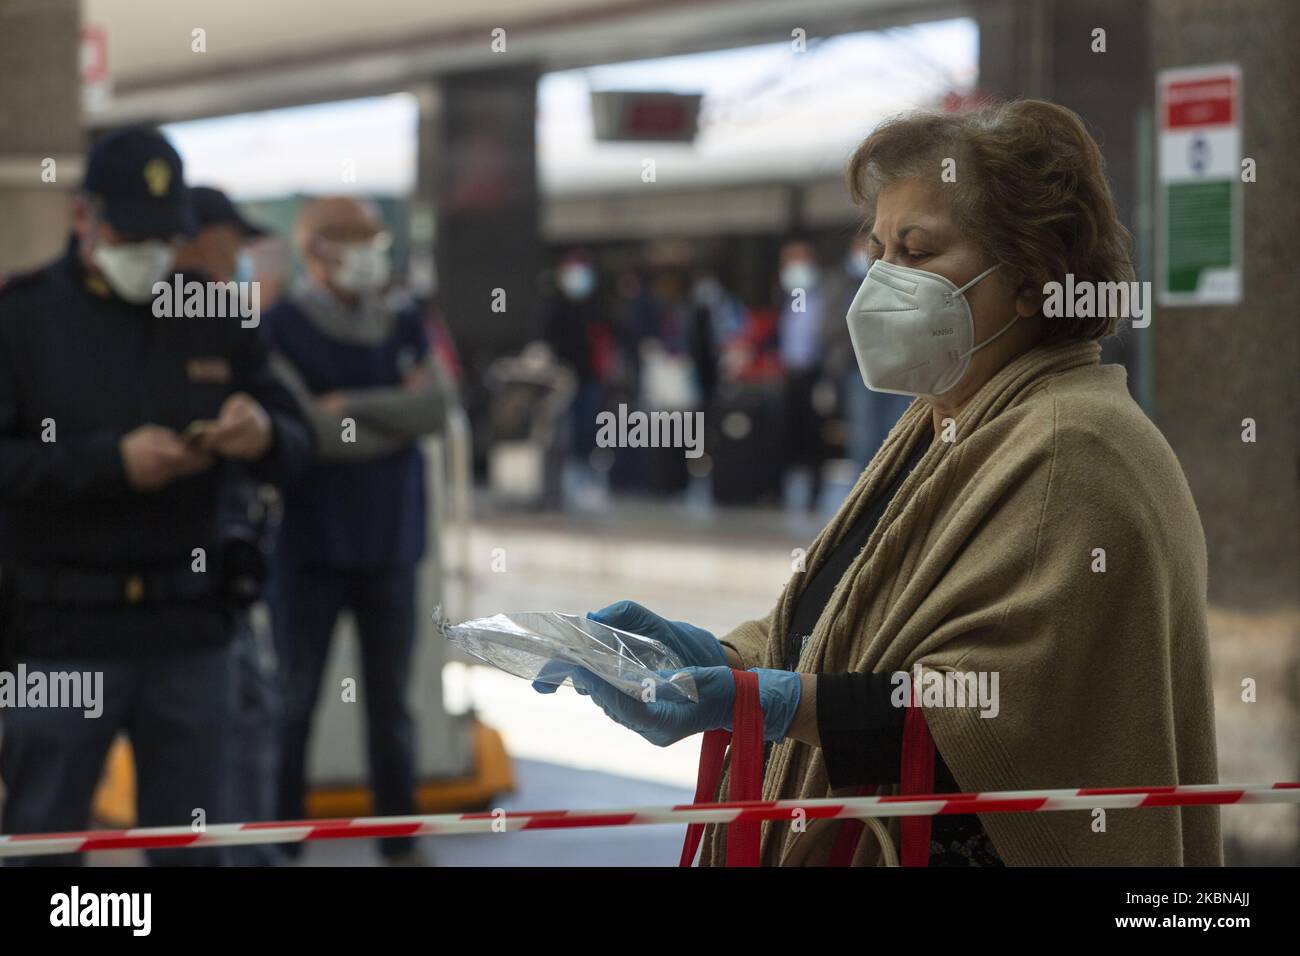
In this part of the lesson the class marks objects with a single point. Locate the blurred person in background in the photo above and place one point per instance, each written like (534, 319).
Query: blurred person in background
(722, 309)
(634, 321)
(868, 415)
(669, 287)
(717, 318)
(670, 370)
(354, 526)
(220, 248)
(579, 334)
(247, 516)
(634, 318)
(799, 328)
(102, 522)
(970, 547)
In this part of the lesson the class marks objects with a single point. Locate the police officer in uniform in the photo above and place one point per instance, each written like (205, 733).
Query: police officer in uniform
(113, 419)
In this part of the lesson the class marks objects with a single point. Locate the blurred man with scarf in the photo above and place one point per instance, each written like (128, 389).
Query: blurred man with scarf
(354, 527)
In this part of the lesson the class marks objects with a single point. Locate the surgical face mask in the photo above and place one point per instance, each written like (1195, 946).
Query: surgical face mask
(578, 282)
(912, 330)
(798, 275)
(132, 269)
(245, 270)
(856, 263)
(363, 266)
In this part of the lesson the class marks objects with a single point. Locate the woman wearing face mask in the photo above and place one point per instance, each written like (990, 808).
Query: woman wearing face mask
(1024, 525)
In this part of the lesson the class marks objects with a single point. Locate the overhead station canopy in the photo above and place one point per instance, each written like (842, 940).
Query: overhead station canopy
(369, 144)
(254, 54)
(151, 43)
(766, 112)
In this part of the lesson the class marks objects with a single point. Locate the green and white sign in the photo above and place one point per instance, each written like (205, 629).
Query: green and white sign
(1198, 229)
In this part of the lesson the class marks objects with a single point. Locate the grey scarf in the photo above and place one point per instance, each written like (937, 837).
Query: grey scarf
(368, 321)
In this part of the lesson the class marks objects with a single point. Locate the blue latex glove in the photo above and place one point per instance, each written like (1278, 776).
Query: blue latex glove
(694, 645)
(666, 722)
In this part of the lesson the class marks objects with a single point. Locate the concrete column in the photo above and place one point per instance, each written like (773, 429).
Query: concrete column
(40, 120)
(1043, 49)
(1215, 366)
(487, 209)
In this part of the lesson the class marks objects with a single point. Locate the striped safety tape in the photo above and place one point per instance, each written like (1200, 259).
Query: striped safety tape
(299, 831)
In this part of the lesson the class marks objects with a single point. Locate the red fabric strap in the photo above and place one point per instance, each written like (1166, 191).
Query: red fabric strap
(743, 837)
(746, 783)
(706, 786)
(917, 776)
(746, 780)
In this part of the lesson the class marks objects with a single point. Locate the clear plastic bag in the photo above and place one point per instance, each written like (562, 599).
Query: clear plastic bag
(545, 645)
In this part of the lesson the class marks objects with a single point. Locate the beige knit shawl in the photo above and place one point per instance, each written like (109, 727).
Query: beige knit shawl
(987, 560)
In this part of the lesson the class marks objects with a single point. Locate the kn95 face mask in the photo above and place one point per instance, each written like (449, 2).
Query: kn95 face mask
(912, 330)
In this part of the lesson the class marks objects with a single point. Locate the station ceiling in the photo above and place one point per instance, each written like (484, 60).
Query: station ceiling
(267, 53)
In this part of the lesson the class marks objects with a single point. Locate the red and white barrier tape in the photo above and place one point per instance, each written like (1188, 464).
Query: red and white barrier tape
(297, 831)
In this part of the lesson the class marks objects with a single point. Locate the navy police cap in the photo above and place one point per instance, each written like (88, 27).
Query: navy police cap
(212, 207)
(138, 176)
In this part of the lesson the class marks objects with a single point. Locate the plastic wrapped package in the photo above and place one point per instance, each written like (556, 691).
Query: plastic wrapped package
(546, 645)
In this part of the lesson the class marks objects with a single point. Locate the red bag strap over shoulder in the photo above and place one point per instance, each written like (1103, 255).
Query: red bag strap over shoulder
(746, 780)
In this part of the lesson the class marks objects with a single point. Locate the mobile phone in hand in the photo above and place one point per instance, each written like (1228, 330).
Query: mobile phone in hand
(196, 429)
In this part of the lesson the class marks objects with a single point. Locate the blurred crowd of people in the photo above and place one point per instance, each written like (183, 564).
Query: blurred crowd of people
(677, 337)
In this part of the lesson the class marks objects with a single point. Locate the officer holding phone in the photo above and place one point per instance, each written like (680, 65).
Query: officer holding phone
(113, 419)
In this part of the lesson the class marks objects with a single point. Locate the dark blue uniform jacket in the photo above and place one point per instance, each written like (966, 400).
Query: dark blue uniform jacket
(74, 355)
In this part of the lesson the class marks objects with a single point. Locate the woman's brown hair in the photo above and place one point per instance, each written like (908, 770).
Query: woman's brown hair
(1030, 188)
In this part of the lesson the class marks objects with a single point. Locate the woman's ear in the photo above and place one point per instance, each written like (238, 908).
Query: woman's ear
(1029, 300)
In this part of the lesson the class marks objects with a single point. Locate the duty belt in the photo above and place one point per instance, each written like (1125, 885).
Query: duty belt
(79, 587)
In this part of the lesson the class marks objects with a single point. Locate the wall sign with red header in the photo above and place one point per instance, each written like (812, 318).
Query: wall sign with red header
(96, 87)
(1198, 229)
